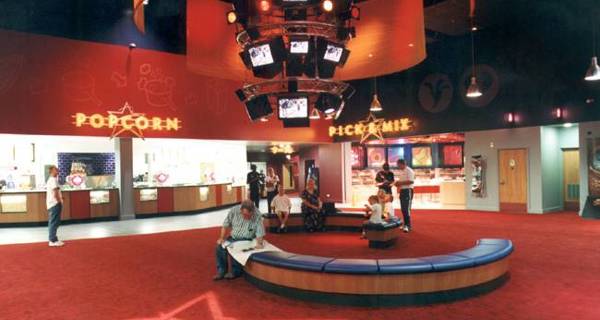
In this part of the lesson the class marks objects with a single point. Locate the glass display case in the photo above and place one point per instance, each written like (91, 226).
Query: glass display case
(148, 194)
(99, 196)
(13, 203)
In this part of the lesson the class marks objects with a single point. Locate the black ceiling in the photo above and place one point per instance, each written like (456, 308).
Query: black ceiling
(107, 21)
(553, 24)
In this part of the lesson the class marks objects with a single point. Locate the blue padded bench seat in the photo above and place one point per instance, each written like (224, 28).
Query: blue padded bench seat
(486, 251)
(404, 266)
(447, 262)
(291, 260)
(386, 225)
(352, 266)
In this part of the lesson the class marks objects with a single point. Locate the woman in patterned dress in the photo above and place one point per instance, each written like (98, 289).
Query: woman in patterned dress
(314, 220)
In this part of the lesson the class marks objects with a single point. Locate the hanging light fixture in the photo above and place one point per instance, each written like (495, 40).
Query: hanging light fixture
(593, 72)
(375, 104)
(473, 89)
(314, 115)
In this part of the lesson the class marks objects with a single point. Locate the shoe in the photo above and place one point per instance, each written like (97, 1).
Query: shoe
(406, 229)
(57, 243)
(231, 276)
(218, 277)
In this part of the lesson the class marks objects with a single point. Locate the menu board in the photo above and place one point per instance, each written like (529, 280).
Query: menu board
(395, 154)
(358, 157)
(376, 157)
(421, 157)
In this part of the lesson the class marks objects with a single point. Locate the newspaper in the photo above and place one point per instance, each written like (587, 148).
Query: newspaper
(241, 250)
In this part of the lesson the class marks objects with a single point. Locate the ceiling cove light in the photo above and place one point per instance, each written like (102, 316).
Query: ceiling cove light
(593, 71)
(327, 5)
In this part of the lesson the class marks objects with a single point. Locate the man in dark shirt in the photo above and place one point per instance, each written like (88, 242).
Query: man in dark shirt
(385, 179)
(253, 181)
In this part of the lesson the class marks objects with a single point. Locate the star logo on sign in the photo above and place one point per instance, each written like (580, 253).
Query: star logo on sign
(372, 127)
(126, 112)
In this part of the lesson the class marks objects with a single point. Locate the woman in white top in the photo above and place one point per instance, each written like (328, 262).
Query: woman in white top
(271, 184)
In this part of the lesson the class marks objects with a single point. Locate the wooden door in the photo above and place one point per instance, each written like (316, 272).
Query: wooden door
(513, 166)
(571, 179)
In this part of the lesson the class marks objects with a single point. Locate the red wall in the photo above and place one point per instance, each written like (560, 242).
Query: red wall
(328, 158)
(44, 80)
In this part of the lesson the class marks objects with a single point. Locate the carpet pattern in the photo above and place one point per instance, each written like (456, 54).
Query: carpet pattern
(555, 273)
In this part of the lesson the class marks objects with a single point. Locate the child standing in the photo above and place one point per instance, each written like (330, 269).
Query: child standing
(282, 206)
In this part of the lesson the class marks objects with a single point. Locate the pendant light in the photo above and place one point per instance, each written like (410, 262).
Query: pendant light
(593, 72)
(473, 89)
(375, 104)
(314, 115)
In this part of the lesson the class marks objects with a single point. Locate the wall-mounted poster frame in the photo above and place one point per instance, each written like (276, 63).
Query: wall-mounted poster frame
(451, 155)
(422, 156)
(396, 152)
(376, 156)
(359, 157)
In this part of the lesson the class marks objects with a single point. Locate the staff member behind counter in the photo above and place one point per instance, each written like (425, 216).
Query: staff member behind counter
(244, 222)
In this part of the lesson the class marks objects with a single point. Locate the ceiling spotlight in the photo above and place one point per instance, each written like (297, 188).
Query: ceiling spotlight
(510, 118)
(327, 5)
(264, 5)
(231, 17)
(375, 104)
(314, 115)
(473, 89)
(559, 113)
(593, 72)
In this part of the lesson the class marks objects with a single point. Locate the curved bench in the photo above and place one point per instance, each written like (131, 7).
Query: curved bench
(383, 282)
(342, 221)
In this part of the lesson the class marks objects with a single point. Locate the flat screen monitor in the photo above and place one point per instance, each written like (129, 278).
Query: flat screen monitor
(293, 107)
(333, 53)
(261, 55)
(299, 47)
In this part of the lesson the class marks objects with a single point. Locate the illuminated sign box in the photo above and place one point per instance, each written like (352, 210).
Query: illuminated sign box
(371, 127)
(126, 120)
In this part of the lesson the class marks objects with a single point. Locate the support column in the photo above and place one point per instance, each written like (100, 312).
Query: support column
(124, 172)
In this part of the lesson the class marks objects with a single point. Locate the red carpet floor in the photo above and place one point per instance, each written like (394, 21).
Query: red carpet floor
(555, 274)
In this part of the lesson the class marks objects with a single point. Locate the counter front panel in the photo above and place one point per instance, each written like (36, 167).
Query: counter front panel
(178, 199)
(77, 205)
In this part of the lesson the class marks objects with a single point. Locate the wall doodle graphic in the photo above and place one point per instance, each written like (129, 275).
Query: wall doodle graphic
(157, 87)
(435, 93)
(80, 86)
(118, 79)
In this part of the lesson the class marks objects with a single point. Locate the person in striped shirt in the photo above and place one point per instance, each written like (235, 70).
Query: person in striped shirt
(243, 222)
